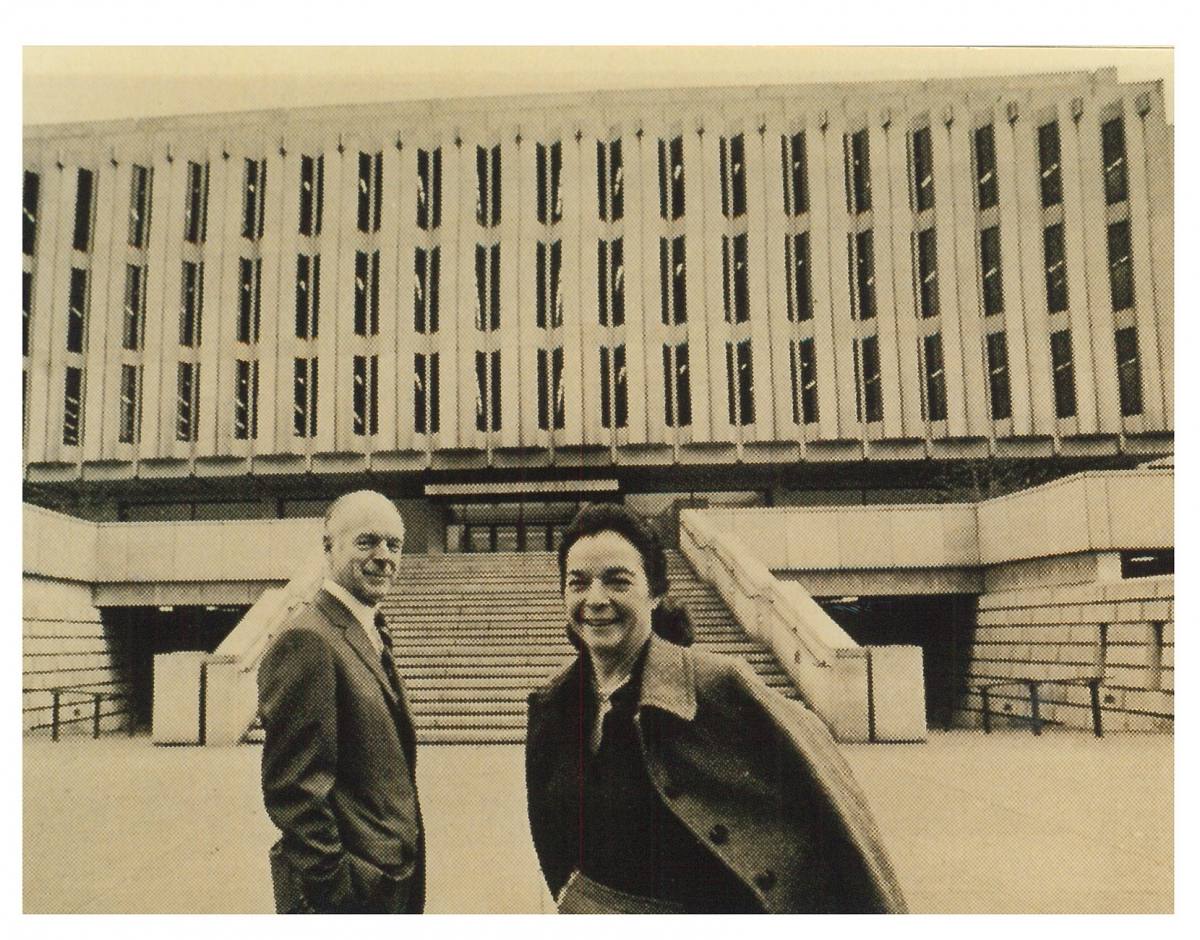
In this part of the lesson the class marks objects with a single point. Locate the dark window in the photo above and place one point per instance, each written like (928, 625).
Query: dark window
(670, 178)
(549, 285)
(1050, 160)
(77, 310)
(83, 210)
(614, 388)
(1143, 563)
(26, 309)
(799, 277)
(487, 172)
(366, 293)
(739, 371)
(927, 271)
(1112, 138)
(128, 412)
(1129, 371)
(425, 289)
(858, 172)
(922, 169)
(187, 399)
(249, 299)
(989, 263)
(1054, 250)
(429, 188)
(985, 167)
(487, 402)
(550, 390)
(1120, 266)
(425, 393)
(549, 183)
(195, 207)
(253, 199)
(72, 406)
(370, 191)
(673, 279)
(610, 180)
(139, 206)
(867, 379)
(862, 285)
(308, 295)
(192, 303)
(677, 386)
(795, 174)
(135, 299)
(935, 378)
(736, 280)
(29, 211)
(312, 194)
(1064, 373)
(366, 395)
(245, 406)
(804, 381)
(733, 176)
(997, 358)
(611, 277)
(487, 288)
(305, 398)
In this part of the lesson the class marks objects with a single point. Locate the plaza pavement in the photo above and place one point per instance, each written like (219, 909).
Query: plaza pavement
(975, 824)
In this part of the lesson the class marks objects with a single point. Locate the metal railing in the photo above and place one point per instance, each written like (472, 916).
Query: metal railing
(84, 695)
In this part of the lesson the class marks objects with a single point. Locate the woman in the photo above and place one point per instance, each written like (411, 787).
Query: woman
(666, 779)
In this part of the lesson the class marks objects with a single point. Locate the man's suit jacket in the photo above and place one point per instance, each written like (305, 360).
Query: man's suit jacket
(338, 770)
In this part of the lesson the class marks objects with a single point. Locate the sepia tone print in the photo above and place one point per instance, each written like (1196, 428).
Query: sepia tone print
(884, 364)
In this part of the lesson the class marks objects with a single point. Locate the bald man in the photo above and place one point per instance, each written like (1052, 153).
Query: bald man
(340, 750)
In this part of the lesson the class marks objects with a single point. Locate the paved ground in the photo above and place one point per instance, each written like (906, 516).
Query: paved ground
(975, 824)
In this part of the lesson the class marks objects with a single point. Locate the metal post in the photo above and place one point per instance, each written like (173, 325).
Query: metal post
(54, 716)
(1097, 725)
(96, 716)
(1033, 708)
(987, 718)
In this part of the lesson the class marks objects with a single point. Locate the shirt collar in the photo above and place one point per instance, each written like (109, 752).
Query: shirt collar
(363, 613)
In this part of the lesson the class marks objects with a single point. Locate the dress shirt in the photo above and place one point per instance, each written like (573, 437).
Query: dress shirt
(363, 613)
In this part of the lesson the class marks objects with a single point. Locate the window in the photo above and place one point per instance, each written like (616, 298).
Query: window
(795, 174)
(549, 183)
(429, 188)
(425, 393)
(26, 309)
(1120, 266)
(1064, 373)
(253, 199)
(799, 277)
(249, 299)
(366, 293)
(370, 191)
(308, 296)
(867, 379)
(312, 194)
(733, 176)
(549, 285)
(1129, 371)
(195, 207)
(83, 210)
(736, 280)
(614, 388)
(487, 288)
(1112, 140)
(611, 276)
(187, 402)
(427, 273)
(610, 180)
(1054, 250)
(135, 299)
(305, 398)
(989, 263)
(985, 167)
(29, 211)
(922, 169)
(245, 406)
(803, 361)
(673, 279)
(670, 178)
(192, 303)
(366, 395)
(935, 378)
(677, 386)
(1050, 160)
(862, 281)
(487, 194)
(127, 427)
(550, 388)
(487, 401)
(77, 310)
(997, 360)
(739, 371)
(72, 402)
(139, 206)
(927, 271)
(858, 172)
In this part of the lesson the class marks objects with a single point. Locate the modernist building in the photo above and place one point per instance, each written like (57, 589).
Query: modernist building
(794, 295)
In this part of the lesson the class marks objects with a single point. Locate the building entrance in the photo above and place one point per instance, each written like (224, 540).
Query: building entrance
(508, 527)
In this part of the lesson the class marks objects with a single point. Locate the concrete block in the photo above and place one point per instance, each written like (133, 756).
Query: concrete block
(1126, 632)
(1129, 611)
(897, 693)
(1157, 610)
(1085, 633)
(231, 702)
(812, 542)
(1167, 680)
(1168, 657)
(176, 710)
(1135, 656)
(866, 546)
(1154, 702)
(1169, 630)
(1125, 677)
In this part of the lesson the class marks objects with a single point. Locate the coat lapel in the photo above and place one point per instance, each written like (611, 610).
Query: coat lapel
(337, 613)
(667, 680)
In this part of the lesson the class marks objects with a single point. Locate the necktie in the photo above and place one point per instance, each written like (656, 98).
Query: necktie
(385, 656)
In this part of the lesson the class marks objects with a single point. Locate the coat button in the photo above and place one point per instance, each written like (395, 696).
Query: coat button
(718, 834)
(765, 880)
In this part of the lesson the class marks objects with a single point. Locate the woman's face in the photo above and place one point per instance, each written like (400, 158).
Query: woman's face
(607, 596)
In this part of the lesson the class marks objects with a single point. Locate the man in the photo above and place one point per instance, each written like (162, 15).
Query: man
(340, 749)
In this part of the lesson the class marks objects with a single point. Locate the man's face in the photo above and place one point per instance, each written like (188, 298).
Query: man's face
(363, 549)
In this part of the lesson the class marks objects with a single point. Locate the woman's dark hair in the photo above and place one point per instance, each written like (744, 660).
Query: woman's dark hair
(668, 620)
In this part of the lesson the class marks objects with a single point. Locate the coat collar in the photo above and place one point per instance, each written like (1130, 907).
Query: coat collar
(341, 617)
(668, 679)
